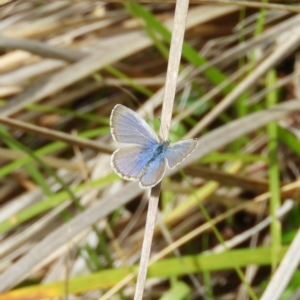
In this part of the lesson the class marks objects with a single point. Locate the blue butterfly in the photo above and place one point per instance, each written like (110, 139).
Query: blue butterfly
(146, 158)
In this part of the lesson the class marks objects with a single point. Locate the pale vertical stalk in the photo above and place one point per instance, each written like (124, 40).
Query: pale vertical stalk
(285, 271)
(148, 236)
(170, 90)
(173, 66)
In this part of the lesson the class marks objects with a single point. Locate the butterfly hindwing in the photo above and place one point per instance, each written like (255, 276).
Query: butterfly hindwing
(178, 151)
(129, 128)
(154, 172)
(129, 161)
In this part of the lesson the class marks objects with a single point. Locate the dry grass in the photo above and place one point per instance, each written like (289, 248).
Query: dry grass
(70, 228)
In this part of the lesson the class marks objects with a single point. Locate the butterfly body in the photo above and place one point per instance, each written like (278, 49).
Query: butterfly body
(158, 153)
(146, 157)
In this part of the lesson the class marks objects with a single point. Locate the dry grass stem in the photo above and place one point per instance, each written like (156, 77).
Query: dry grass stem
(72, 228)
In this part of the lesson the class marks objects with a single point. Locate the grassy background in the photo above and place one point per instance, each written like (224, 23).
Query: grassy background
(63, 67)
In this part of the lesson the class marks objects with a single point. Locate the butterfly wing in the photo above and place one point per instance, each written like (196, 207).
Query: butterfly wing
(129, 161)
(129, 128)
(154, 173)
(178, 151)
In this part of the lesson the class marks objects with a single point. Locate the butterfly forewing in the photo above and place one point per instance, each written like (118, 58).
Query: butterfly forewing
(129, 161)
(127, 127)
(178, 151)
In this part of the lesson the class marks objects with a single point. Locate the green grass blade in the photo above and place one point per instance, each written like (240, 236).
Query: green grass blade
(164, 268)
(274, 173)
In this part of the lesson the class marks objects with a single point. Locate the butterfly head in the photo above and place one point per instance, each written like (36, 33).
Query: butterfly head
(167, 142)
